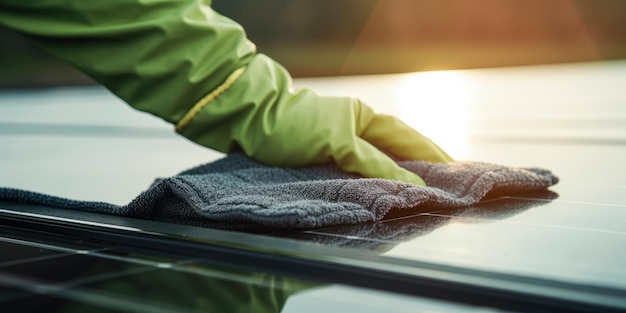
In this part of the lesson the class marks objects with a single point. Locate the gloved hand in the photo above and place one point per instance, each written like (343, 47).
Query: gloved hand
(346, 131)
(278, 126)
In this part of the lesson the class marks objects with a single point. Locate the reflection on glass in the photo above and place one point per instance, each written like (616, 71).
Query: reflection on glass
(436, 104)
(400, 230)
(195, 287)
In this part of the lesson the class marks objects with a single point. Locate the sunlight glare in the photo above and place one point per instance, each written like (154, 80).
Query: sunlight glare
(436, 104)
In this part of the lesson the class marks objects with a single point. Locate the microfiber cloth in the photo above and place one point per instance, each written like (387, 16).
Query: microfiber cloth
(238, 193)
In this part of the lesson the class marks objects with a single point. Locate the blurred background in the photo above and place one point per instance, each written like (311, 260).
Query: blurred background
(353, 37)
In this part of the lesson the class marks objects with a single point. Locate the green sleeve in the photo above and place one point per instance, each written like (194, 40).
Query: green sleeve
(159, 56)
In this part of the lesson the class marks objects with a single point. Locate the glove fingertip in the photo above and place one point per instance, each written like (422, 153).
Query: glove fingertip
(410, 178)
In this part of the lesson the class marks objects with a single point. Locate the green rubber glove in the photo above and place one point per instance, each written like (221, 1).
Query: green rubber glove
(279, 126)
(183, 62)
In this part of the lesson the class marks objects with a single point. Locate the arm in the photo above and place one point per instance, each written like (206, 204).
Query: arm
(158, 56)
(183, 62)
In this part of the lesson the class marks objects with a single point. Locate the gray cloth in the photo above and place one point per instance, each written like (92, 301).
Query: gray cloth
(240, 194)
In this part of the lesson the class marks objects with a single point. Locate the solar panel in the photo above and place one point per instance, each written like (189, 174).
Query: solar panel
(560, 249)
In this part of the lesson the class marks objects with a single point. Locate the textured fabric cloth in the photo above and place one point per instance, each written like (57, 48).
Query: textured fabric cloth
(240, 194)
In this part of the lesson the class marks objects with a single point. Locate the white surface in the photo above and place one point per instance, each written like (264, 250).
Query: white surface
(102, 165)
